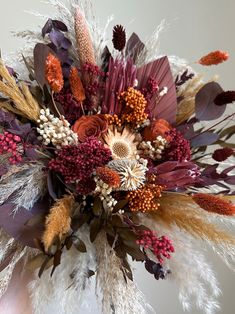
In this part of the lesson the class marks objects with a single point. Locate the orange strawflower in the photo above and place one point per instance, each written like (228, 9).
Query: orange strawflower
(145, 199)
(156, 128)
(109, 176)
(214, 58)
(214, 204)
(76, 85)
(135, 105)
(54, 74)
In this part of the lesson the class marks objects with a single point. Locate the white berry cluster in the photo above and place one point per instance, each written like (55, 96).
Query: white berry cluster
(104, 191)
(54, 130)
(153, 149)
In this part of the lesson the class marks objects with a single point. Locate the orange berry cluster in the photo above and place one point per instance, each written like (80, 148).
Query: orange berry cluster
(145, 199)
(76, 85)
(113, 119)
(54, 73)
(135, 103)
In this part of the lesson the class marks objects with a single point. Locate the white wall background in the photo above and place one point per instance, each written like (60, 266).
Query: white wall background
(194, 28)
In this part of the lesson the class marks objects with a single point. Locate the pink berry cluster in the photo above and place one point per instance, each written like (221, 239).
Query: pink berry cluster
(9, 145)
(160, 246)
(151, 88)
(178, 148)
(78, 162)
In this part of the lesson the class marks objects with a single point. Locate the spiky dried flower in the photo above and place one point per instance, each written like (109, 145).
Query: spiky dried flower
(84, 43)
(122, 144)
(222, 154)
(145, 199)
(214, 58)
(225, 98)
(132, 173)
(54, 74)
(214, 204)
(108, 176)
(76, 85)
(119, 37)
(58, 221)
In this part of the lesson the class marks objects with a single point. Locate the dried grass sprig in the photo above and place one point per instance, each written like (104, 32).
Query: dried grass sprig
(24, 102)
(58, 221)
(84, 43)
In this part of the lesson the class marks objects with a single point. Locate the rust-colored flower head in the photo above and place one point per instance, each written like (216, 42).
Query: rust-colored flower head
(88, 126)
(214, 204)
(119, 37)
(214, 58)
(76, 85)
(157, 127)
(54, 74)
(109, 176)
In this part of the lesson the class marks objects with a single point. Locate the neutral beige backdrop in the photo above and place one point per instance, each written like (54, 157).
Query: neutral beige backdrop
(194, 28)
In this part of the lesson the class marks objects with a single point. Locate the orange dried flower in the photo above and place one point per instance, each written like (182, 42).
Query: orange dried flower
(214, 204)
(113, 119)
(214, 58)
(135, 103)
(76, 85)
(54, 73)
(157, 127)
(145, 199)
(109, 176)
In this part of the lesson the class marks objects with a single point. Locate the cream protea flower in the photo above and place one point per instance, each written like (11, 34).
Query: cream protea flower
(123, 144)
(131, 172)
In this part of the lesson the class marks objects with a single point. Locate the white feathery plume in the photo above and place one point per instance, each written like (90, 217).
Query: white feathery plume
(118, 296)
(26, 186)
(64, 292)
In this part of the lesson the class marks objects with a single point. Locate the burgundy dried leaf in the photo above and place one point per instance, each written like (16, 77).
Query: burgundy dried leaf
(166, 106)
(41, 53)
(225, 98)
(206, 109)
(47, 27)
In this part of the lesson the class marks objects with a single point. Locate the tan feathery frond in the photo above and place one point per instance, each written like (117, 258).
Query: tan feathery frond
(24, 103)
(179, 210)
(58, 221)
(85, 47)
(186, 107)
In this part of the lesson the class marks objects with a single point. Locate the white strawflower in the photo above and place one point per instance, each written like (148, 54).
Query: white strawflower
(132, 173)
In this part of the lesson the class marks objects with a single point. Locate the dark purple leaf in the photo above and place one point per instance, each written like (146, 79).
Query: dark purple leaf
(230, 180)
(205, 107)
(6, 116)
(204, 139)
(56, 38)
(41, 52)
(165, 107)
(59, 25)
(51, 185)
(134, 47)
(47, 27)
(31, 153)
(15, 225)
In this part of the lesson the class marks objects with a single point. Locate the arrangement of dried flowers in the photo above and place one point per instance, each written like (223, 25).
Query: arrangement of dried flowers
(103, 160)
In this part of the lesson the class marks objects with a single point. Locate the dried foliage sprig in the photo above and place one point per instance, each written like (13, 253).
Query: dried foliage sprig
(58, 221)
(24, 103)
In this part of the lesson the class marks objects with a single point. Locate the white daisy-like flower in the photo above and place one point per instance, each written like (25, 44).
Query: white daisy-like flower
(132, 173)
(122, 144)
